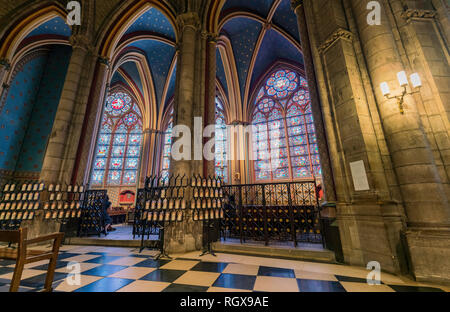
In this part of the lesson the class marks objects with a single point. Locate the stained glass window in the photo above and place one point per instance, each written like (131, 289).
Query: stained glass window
(284, 136)
(119, 142)
(166, 153)
(221, 162)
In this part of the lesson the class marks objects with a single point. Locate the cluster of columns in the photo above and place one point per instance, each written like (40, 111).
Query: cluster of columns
(403, 221)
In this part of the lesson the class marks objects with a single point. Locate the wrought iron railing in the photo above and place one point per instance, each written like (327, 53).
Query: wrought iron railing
(272, 212)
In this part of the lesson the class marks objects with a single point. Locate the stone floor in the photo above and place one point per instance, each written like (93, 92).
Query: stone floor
(122, 232)
(111, 269)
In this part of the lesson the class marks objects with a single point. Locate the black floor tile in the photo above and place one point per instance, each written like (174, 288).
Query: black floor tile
(150, 263)
(319, 286)
(168, 276)
(402, 288)
(5, 288)
(276, 272)
(65, 255)
(104, 270)
(235, 281)
(216, 267)
(103, 259)
(6, 262)
(108, 284)
(185, 288)
(6, 270)
(39, 280)
(59, 265)
(343, 278)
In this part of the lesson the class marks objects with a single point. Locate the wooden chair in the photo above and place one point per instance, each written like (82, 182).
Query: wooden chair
(24, 256)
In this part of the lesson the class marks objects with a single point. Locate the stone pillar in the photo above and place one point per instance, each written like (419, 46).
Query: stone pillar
(443, 15)
(92, 117)
(153, 145)
(327, 176)
(187, 235)
(351, 137)
(426, 204)
(59, 138)
(210, 105)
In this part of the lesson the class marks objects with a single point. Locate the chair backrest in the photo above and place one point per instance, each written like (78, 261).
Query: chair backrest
(16, 236)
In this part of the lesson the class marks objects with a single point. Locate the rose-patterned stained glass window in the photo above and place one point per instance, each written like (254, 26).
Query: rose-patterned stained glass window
(221, 135)
(167, 148)
(117, 156)
(284, 136)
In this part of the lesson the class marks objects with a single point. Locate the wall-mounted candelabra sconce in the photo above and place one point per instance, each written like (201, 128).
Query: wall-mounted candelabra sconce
(403, 80)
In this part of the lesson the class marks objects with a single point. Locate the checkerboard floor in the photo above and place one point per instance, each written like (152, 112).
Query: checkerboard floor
(108, 269)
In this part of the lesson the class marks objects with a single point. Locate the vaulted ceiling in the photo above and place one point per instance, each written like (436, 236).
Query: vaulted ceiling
(254, 35)
(150, 39)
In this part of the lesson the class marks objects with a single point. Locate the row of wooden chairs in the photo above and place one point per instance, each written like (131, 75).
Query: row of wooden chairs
(21, 253)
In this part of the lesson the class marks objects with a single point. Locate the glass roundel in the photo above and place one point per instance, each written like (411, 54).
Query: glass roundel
(281, 83)
(119, 141)
(118, 104)
(284, 136)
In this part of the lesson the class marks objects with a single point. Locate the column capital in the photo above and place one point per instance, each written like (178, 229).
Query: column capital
(189, 19)
(210, 37)
(104, 60)
(151, 131)
(419, 14)
(5, 63)
(295, 4)
(340, 33)
(239, 123)
(80, 41)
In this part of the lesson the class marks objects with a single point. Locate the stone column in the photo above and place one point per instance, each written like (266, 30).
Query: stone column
(187, 235)
(210, 105)
(92, 117)
(327, 176)
(352, 137)
(153, 145)
(59, 138)
(443, 12)
(424, 196)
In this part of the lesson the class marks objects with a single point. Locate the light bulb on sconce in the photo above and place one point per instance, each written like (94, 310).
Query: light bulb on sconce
(403, 81)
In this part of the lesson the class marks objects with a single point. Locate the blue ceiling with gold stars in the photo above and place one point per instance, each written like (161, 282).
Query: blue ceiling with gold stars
(243, 33)
(132, 72)
(55, 26)
(153, 21)
(171, 88)
(159, 57)
(286, 19)
(261, 7)
(117, 78)
(159, 54)
(221, 71)
(274, 48)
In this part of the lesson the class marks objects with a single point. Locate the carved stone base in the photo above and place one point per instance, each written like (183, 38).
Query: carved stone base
(183, 237)
(367, 235)
(429, 252)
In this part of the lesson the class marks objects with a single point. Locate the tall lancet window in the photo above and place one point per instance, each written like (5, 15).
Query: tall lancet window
(284, 136)
(117, 155)
(221, 162)
(167, 148)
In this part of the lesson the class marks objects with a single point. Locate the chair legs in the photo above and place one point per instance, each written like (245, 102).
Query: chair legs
(48, 286)
(17, 276)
